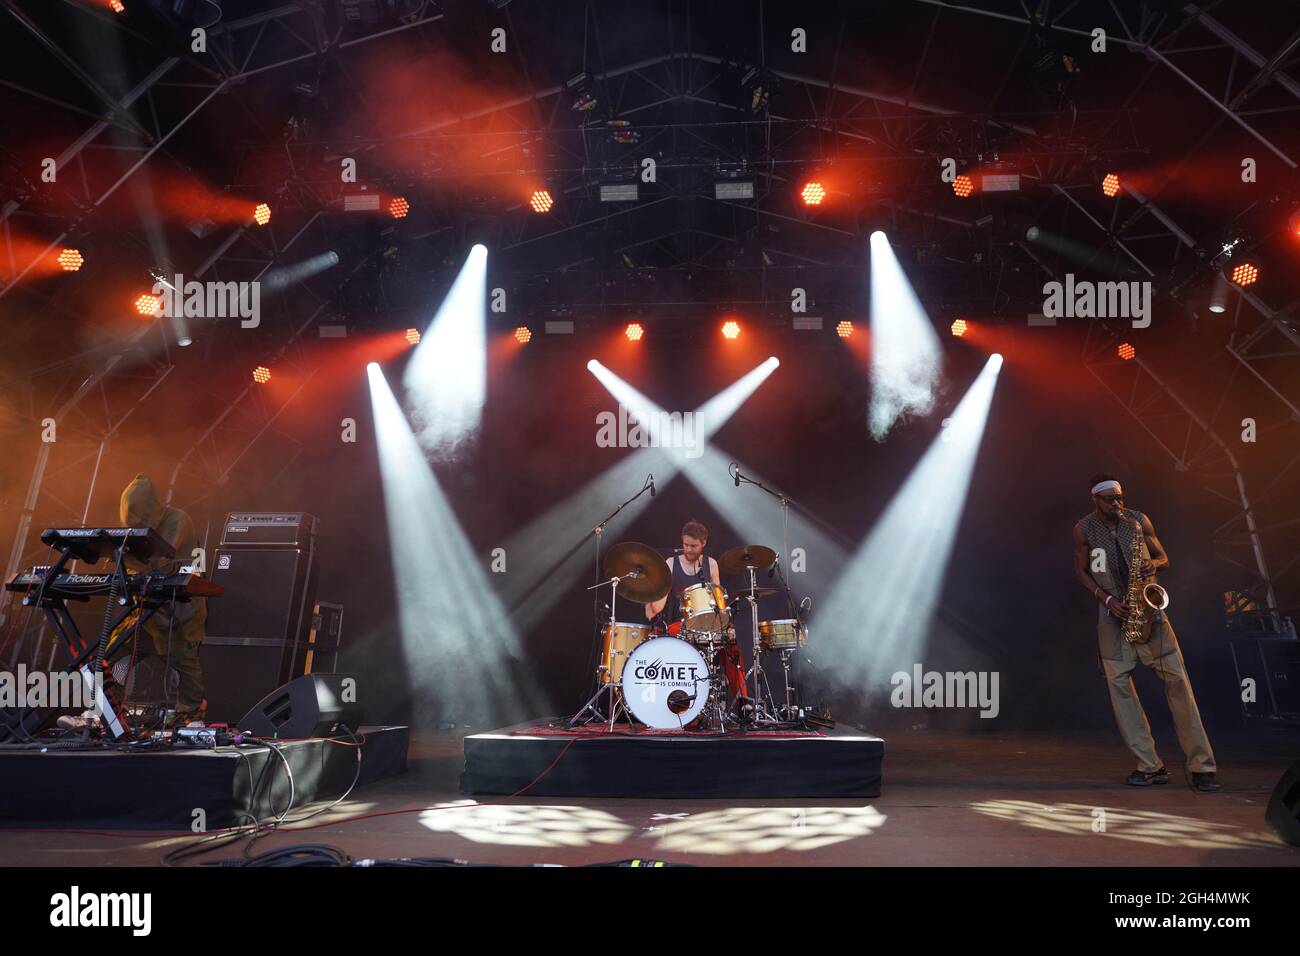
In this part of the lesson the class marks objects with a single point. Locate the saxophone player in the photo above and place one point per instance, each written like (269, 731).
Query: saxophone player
(1107, 542)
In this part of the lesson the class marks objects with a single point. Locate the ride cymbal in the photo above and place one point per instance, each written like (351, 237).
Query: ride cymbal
(653, 580)
(741, 559)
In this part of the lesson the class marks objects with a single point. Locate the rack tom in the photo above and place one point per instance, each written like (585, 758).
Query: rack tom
(704, 608)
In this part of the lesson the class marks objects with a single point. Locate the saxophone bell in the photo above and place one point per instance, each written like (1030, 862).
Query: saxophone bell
(1156, 597)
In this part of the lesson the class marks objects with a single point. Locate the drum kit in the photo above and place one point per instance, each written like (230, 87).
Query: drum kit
(675, 678)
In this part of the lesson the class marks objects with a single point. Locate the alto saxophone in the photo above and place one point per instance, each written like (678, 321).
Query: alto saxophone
(1144, 599)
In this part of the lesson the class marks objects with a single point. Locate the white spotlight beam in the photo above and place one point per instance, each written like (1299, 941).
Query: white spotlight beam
(905, 351)
(461, 650)
(761, 521)
(556, 549)
(878, 616)
(551, 569)
(446, 379)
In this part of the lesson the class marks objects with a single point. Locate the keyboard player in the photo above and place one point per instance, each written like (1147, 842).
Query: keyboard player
(177, 628)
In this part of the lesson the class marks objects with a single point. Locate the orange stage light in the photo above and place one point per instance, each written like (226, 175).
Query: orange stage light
(963, 186)
(634, 331)
(1126, 351)
(523, 334)
(262, 214)
(844, 329)
(261, 375)
(1110, 185)
(813, 193)
(70, 260)
(413, 336)
(1245, 273)
(959, 328)
(730, 329)
(398, 207)
(148, 305)
(541, 201)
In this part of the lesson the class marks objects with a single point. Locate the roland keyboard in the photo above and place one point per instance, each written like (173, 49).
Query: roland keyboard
(153, 586)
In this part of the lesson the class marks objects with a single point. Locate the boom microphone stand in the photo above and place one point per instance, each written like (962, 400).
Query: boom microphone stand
(734, 471)
(597, 533)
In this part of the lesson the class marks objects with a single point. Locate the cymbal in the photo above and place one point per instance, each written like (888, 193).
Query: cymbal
(759, 592)
(653, 580)
(738, 560)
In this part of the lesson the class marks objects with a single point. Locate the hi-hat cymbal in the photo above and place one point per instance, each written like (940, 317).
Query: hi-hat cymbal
(741, 559)
(759, 592)
(653, 580)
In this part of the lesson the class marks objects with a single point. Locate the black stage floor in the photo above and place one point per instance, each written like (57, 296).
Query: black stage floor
(162, 790)
(966, 799)
(593, 761)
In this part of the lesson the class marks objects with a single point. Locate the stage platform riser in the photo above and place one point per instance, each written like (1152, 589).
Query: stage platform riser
(162, 791)
(836, 764)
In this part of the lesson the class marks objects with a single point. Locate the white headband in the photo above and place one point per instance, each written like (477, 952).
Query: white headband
(1106, 486)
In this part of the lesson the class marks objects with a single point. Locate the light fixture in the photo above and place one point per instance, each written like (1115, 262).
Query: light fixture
(148, 305)
(738, 189)
(1245, 273)
(812, 193)
(618, 192)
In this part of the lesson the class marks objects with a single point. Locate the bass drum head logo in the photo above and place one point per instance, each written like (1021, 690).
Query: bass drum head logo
(665, 683)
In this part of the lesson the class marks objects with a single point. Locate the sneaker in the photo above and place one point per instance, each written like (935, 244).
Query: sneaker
(1206, 782)
(1140, 778)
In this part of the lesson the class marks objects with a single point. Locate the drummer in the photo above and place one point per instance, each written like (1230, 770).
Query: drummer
(688, 569)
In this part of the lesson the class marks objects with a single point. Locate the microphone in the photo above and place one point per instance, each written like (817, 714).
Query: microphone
(771, 572)
(652, 486)
(737, 474)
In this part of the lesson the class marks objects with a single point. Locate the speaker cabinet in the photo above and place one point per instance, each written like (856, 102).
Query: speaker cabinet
(1273, 664)
(307, 706)
(258, 631)
(1283, 813)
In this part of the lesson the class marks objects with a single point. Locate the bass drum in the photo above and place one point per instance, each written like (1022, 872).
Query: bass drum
(665, 683)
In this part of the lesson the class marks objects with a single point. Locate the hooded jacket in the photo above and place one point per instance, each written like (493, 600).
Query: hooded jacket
(140, 508)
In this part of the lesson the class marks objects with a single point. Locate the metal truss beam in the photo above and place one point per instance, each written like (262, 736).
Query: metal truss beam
(1228, 42)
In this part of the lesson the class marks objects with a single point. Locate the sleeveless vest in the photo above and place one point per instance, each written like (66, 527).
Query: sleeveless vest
(1117, 544)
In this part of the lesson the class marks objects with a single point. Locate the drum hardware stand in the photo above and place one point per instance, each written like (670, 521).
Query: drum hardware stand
(716, 707)
(615, 701)
(786, 501)
(786, 654)
(756, 669)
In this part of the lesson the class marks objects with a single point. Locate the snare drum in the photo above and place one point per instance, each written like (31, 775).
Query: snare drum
(619, 640)
(784, 635)
(704, 608)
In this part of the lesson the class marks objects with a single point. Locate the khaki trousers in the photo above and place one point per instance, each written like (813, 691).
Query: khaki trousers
(1161, 654)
